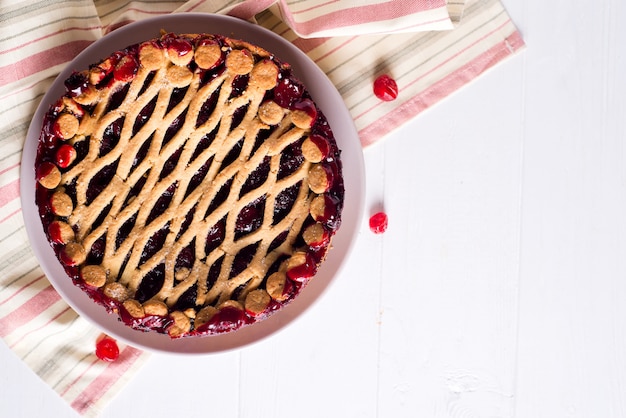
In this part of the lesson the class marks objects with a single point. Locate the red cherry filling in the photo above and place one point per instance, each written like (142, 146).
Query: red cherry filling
(65, 155)
(385, 88)
(54, 231)
(301, 267)
(287, 92)
(215, 236)
(107, 349)
(126, 68)
(203, 41)
(378, 222)
(179, 50)
(228, 318)
(76, 84)
(249, 219)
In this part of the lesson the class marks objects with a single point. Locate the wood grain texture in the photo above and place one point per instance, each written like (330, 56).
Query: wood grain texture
(449, 326)
(572, 317)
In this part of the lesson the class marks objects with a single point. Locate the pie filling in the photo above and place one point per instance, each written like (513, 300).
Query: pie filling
(189, 184)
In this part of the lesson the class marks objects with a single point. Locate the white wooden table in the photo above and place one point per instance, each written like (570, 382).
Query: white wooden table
(499, 289)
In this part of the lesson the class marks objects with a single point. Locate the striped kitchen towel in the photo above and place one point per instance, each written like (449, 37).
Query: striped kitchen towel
(315, 18)
(430, 47)
(427, 65)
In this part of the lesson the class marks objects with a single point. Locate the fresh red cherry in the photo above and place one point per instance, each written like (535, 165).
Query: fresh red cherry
(65, 155)
(107, 349)
(385, 88)
(379, 222)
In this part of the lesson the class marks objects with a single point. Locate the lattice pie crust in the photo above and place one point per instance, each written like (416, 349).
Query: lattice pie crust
(189, 183)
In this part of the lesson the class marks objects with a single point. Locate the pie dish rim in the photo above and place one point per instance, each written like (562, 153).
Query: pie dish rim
(327, 98)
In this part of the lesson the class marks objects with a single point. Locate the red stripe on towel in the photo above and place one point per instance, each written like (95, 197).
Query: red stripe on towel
(41, 61)
(101, 384)
(29, 310)
(441, 89)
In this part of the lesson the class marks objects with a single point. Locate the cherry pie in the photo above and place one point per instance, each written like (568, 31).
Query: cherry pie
(189, 184)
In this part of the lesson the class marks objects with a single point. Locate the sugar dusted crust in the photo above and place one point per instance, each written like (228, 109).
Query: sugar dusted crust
(173, 185)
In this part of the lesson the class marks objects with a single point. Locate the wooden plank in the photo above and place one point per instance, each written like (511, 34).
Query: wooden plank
(449, 291)
(572, 318)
